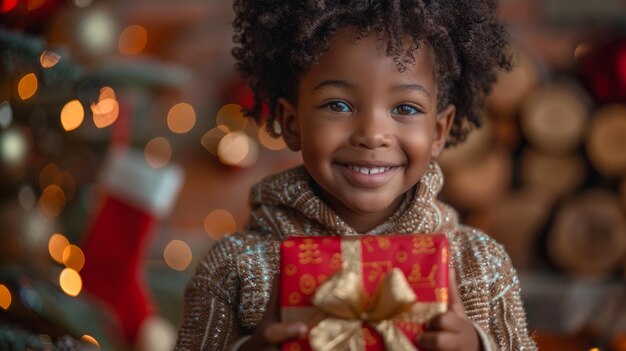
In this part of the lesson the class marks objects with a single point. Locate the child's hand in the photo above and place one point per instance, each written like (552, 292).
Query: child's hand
(270, 332)
(451, 330)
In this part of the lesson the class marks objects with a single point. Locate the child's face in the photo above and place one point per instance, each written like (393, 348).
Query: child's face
(367, 132)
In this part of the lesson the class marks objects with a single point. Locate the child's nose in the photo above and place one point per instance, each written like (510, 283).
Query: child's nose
(371, 131)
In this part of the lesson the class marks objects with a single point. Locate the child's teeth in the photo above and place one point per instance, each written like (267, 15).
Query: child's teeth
(365, 170)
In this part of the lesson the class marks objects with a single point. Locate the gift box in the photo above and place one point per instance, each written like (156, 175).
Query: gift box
(363, 292)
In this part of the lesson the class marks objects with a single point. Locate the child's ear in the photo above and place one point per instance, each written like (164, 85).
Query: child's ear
(286, 117)
(443, 124)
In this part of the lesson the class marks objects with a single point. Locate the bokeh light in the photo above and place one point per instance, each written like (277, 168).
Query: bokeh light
(72, 115)
(97, 31)
(582, 50)
(219, 223)
(48, 174)
(7, 5)
(211, 139)
(49, 59)
(73, 257)
(67, 184)
(233, 148)
(5, 297)
(105, 112)
(82, 3)
(107, 93)
(177, 255)
(269, 141)
(52, 201)
(26, 197)
(56, 246)
(181, 118)
(27, 86)
(70, 282)
(158, 152)
(6, 114)
(90, 339)
(13, 147)
(232, 117)
(133, 40)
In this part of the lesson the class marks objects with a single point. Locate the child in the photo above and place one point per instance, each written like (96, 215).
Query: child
(370, 91)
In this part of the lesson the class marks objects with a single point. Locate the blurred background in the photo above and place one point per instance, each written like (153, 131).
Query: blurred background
(124, 157)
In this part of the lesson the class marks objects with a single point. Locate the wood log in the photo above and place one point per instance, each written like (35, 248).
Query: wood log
(478, 142)
(553, 175)
(512, 87)
(588, 236)
(553, 118)
(516, 222)
(482, 183)
(606, 140)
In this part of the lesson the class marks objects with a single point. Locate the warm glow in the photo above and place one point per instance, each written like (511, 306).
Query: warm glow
(70, 282)
(582, 50)
(177, 255)
(7, 5)
(26, 197)
(90, 339)
(105, 112)
(72, 115)
(67, 184)
(232, 117)
(49, 59)
(56, 246)
(158, 152)
(181, 118)
(73, 257)
(52, 201)
(219, 223)
(48, 174)
(34, 4)
(269, 141)
(211, 139)
(13, 147)
(233, 148)
(133, 40)
(107, 93)
(5, 297)
(27, 86)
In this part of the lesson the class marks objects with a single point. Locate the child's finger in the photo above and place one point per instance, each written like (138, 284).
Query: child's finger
(448, 321)
(455, 303)
(278, 332)
(439, 341)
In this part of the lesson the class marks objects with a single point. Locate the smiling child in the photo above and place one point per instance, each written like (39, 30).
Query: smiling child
(370, 92)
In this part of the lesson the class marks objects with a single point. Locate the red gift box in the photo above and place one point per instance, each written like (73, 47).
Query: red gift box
(363, 292)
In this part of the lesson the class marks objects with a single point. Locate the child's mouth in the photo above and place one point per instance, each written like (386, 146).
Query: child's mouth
(368, 176)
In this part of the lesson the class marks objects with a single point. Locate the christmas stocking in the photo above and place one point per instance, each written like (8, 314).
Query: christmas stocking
(136, 196)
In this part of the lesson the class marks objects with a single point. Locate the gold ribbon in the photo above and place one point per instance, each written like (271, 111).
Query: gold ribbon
(343, 299)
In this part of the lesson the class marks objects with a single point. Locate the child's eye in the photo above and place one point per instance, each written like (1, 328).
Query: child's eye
(406, 109)
(337, 106)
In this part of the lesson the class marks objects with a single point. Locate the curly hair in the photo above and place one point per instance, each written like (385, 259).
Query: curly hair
(277, 40)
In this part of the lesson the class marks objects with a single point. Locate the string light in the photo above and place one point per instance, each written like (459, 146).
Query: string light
(57, 245)
(52, 201)
(48, 174)
(73, 257)
(232, 117)
(27, 86)
(70, 282)
(72, 115)
(133, 40)
(211, 139)
(219, 223)
(13, 146)
(158, 152)
(181, 118)
(49, 59)
(177, 255)
(90, 339)
(5, 297)
(269, 141)
(105, 112)
(233, 148)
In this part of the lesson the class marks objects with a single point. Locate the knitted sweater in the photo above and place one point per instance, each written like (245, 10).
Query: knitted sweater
(230, 291)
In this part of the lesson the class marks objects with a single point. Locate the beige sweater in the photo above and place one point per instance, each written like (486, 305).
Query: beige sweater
(230, 291)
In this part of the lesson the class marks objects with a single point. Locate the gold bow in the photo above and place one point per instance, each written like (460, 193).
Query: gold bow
(343, 299)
